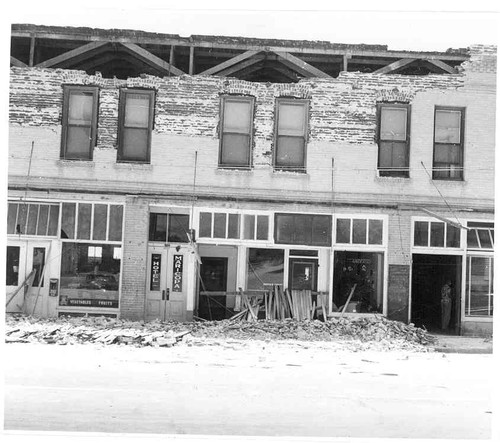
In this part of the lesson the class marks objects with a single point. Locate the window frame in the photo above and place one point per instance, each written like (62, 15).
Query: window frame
(67, 91)
(304, 216)
(396, 172)
(124, 92)
(295, 101)
(238, 99)
(460, 144)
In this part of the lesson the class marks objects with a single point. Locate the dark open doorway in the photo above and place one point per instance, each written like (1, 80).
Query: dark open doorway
(213, 286)
(429, 274)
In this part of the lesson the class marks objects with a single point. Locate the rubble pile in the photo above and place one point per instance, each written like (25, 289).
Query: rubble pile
(379, 331)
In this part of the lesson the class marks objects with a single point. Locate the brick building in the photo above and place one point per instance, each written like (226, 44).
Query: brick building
(152, 176)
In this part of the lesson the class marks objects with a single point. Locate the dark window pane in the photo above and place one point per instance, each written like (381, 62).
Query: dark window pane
(235, 150)
(38, 265)
(178, 228)
(479, 293)
(290, 152)
(284, 228)
(233, 226)
(53, 219)
(219, 225)
(265, 266)
(84, 219)
(135, 144)
(32, 219)
(359, 231)
(249, 227)
(452, 236)
(78, 142)
(321, 230)
(43, 218)
(437, 234)
(11, 218)
(484, 238)
(68, 220)
(262, 227)
(343, 230)
(421, 234)
(158, 227)
(22, 218)
(100, 221)
(393, 123)
(302, 234)
(375, 231)
(115, 222)
(205, 224)
(472, 239)
(12, 272)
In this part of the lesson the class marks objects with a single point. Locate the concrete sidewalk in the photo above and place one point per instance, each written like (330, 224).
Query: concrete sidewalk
(463, 345)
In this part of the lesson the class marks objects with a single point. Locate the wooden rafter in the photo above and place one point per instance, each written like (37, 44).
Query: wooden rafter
(15, 62)
(84, 51)
(444, 66)
(242, 65)
(151, 59)
(296, 64)
(394, 66)
(228, 63)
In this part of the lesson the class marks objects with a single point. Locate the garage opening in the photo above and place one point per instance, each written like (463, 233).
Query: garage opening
(436, 277)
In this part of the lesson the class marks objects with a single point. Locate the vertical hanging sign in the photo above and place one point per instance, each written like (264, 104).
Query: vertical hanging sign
(155, 272)
(177, 277)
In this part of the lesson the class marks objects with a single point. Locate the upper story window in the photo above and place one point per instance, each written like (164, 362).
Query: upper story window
(234, 226)
(292, 117)
(448, 161)
(236, 132)
(79, 122)
(393, 140)
(169, 227)
(361, 231)
(436, 235)
(303, 229)
(135, 123)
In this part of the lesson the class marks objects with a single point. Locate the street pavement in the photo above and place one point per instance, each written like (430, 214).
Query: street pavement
(250, 388)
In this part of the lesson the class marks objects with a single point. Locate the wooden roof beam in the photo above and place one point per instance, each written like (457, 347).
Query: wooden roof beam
(18, 63)
(298, 65)
(241, 65)
(151, 59)
(444, 66)
(85, 51)
(394, 66)
(228, 63)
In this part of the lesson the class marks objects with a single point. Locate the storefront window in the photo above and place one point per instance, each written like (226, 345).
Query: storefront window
(90, 275)
(265, 267)
(479, 292)
(362, 274)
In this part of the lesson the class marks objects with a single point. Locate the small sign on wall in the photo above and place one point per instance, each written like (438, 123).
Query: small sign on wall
(155, 272)
(177, 277)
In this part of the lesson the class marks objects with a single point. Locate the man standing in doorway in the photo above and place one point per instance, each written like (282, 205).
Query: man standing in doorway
(445, 305)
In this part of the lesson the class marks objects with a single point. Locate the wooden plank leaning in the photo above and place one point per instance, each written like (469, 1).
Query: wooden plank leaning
(25, 284)
(348, 299)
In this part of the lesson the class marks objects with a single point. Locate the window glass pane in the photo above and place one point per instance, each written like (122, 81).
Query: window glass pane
(484, 238)
(421, 233)
(22, 218)
(90, 275)
(233, 226)
(53, 219)
(32, 219)
(302, 233)
(393, 123)
(78, 141)
(284, 228)
(375, 228)
(249, 227)
(291, 119)
(447, 129)
(12, 272)
(437, 234)
(472, 239)
(447, 154)
(158, 227)
(265, 266)
(100, 221)
(68, 220)
(84, 218)
(178, 228)
(262, 227)
(115, 222)
(135, 144)
(343, 230)
(237, 116)
(479, 298)
(80, 108)
(205, 224)
(11, 218)
(321, 230)
(43, 219)
(137, 110)
(359, 231)
(38, 265)
(452, 236)
(235, 150)
(385, 154)
(290, 152)
(219, 225)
